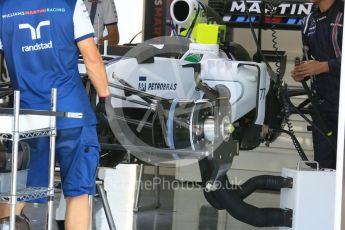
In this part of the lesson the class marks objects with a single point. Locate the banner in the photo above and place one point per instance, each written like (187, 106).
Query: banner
(156, 18)
(285, 15)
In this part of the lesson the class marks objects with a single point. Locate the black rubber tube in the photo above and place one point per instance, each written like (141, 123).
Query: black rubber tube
(230, 197)
(258, 217)
(265, 182)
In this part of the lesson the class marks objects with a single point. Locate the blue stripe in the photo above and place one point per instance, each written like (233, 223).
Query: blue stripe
(142, 78)
(240, 19)
(170, 125)
(291, 21)
(252, 19)
(91, 35)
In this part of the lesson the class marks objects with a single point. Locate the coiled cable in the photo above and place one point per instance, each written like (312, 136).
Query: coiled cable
(275, 43)
(286, 105)
(287, 112)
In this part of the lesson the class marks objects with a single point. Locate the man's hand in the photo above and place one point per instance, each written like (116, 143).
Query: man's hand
(100, 108)
(102, 121)
(309, 68)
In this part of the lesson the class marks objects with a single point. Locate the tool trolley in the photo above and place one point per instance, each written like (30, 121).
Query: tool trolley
(17, 125)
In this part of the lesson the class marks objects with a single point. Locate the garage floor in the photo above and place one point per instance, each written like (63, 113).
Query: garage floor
(181, 209)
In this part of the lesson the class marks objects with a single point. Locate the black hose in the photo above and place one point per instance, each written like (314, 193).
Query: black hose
(259, 217)
(264, 182)
(213, 200)
(231, 197)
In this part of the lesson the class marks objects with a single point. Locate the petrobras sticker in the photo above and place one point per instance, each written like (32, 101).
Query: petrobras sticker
(283, 9)
(142, 83)
(145, 85)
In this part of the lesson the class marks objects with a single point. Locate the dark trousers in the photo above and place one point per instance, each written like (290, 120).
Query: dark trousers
(325, 147)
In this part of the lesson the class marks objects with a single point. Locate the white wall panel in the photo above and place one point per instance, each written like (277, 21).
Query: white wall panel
(130, 14)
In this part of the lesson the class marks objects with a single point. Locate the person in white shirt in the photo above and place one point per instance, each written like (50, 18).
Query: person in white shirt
(103, 16)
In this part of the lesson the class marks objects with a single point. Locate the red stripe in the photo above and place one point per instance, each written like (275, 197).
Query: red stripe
(335, 36)
(275, 20)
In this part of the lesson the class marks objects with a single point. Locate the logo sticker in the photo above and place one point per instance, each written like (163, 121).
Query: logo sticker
(35, 32)
(36, 35)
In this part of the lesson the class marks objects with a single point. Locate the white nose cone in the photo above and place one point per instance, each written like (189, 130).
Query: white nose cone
(183, 12)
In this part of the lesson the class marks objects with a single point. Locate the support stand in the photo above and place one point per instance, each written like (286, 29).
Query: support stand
(156, 203)
(105, 203)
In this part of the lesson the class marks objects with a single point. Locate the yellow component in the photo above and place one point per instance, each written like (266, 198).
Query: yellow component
(209, 33)
(183, 33)
(231, 128)
(330, 133)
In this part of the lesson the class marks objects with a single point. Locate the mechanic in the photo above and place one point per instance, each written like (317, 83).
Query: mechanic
(322, 32)
(41, 41)
(103, 16)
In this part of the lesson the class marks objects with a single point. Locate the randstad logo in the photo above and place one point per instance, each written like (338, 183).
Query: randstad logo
(36, 35)
(35, 32)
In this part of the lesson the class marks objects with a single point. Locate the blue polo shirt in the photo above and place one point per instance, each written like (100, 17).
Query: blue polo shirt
(39, 39)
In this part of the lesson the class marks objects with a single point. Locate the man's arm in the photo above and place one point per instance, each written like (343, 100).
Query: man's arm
(110, 21)
(94, 66)
(113, 36)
